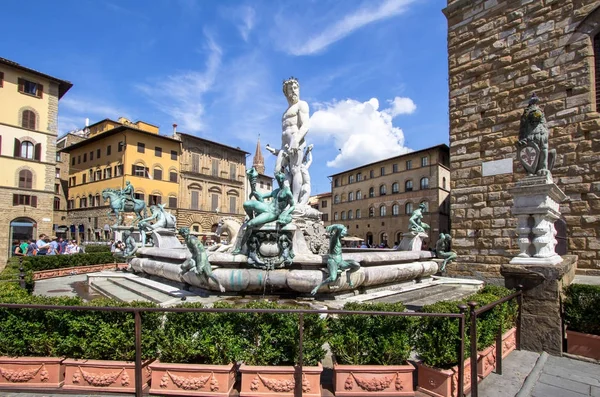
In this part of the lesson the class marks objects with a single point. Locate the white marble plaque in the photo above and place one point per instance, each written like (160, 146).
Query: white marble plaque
(497, 167)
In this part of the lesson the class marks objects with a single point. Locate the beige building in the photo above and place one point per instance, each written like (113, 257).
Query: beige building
(322, 202)
(500, 53)
(28, 132)
(376, 200)
(212, 183)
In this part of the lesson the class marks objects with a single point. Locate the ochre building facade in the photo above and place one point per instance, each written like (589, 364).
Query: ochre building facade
(500, 52)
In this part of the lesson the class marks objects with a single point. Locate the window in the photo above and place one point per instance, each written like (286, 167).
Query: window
(215, 167)
(426, 205)
(27, 150)
(70, 204)
(91, 156)
(84, 178)
(395, 168)
(371, 192)
(357, 214)
(98, 153)
(73, 181)
(408, 208)
(195, 200)
(172, 202)
(157, 176)
(58, 159)
(336, 183)
(382, 190)
(358, 177)
(83, 202)
(24, 199)
(396, 209)
(232, 204)
(98, 175)
(141, 147)
(73, 161)
(358, 195)
(158, 151)
(214, 202)
(395, 187)
(91, 200)
(343, 215)
(335, 216)
(57, 172)
(25, 179)
(371, 174)
(56, 204)
(195, 162)
(139, 196)
(173, 154)
(444, 183)
(232, 171)
(139, 170)
(382, 171)
(336, 199)
(350, 214)
(325, 217)
(408, 186)
(323, 203)
(154, 199)
(107, 173)
(351, 196)
(409, 164)
(424, 183)
(119, 170)
(57, 188)
(382, 210)
(424, 161)
(371, 212)
(79, 159)
(350, 178)
(108, 150)
(120, 146)
(173, 176)
(31, 88)
(84, 157)
(1, 79)
(28, 119)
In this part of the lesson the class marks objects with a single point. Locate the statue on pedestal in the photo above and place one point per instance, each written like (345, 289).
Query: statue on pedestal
(443, 250)
(130, 243)
(532, 147)
(122, 201)
(162, 219)
(335, 263)
(198, 263)
(415, 223)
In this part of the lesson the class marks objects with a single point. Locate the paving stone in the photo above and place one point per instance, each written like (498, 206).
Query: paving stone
(595, 391)
(574, 366)
(578, 377)
(564, 383)
(544, 390)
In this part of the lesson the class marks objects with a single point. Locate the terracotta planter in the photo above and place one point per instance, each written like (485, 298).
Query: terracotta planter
(586, 345)
(31, 372)
(103, 375)
(376, 380)
(259, 381)
(509, 342)
(486, 361)
(442, 382)
(192, 379)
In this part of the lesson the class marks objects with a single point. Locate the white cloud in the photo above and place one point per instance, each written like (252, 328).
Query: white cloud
(180, 95)
(340, 28)
(361, 131)
(90, 108)
(401, 105)
(247, 16)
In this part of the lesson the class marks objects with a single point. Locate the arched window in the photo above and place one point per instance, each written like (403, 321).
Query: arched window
(343, 215)
(335, 216)
(371, 192)
(426, 204)
(408, 186)
(382, 190)
(358, 195)
(350, 178)
(357, 214)
(337, 182)
(371, 212)
(350, 214)
(351, 196)
(90, 200)
(444, 183)
(382, 210)
(27, 150)
(56, 204)
(157, 174)
(408, 208)
(396, 209)
(424, 183)
(25, 179)
(336, 199)
(97, 203)
(395, 187)
(28, 119)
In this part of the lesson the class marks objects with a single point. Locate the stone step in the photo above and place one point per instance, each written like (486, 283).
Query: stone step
(167, 289)
(408, 296)
(457, 293)
(147, 292)
(111, 290)
(414, 300)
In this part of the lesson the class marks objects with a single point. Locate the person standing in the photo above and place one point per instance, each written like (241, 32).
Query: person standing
(43, 244)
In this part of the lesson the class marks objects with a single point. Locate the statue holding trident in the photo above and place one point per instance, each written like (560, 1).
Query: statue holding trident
(295, 124)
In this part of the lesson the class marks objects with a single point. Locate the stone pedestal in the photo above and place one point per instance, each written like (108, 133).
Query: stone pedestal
(412, 241)
(543, 286)
(118, 233)
(536, 206)
(165, 238)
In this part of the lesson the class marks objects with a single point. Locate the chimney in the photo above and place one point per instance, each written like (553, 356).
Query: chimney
(174, 129)
(87, 122)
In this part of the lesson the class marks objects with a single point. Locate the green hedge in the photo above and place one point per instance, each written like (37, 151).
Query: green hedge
(12, 272)
(49, 262)
(371, 340)
(91, 249)
(582, 308)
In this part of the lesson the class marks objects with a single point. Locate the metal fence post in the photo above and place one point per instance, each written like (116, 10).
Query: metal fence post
(300, 356)
(138, 353)
(519, 314)
(461, 351)
(499, 348)
(22, 283)
(473, 335)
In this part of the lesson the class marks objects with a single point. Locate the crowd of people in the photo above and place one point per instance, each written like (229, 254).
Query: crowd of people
(45, 245)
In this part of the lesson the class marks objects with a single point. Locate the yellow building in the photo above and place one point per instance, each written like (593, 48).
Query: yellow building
(28, 131)
(322, 202)
(112, 153)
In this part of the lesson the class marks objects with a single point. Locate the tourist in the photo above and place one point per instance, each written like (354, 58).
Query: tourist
(63, 245)
(31, 248)
(54, 247)
(71, 247)
(43, 244)
(16, 248)
(395, 245)
(113, 246)
(24, 246)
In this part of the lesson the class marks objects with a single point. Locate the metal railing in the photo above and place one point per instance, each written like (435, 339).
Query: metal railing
(137, 312)
(474, 313)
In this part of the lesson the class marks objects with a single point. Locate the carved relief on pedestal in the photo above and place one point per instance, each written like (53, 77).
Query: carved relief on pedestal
(24, 375)
(374, 384)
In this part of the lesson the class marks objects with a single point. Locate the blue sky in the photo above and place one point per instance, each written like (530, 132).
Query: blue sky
(373, 72)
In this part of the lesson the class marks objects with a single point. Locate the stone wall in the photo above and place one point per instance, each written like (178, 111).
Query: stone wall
(500, 52)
